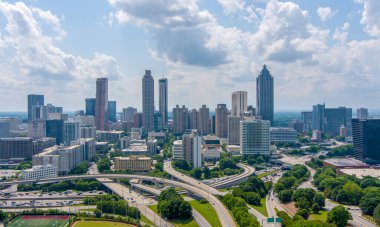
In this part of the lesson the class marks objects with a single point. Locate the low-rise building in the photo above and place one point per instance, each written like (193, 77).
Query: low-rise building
(211, 154)
(109, 136)
(133, 163)
(233, 149)
(283, 135)
(101, 147)
(345, 163)
(40, 172)
(211, 141)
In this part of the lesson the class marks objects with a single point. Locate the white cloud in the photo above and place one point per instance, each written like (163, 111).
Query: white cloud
(32, 62)
(325, 13)
(371, 16)
(232, 6)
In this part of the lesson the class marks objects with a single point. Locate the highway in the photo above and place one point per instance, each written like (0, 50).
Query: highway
(233, 180)
(223, 214)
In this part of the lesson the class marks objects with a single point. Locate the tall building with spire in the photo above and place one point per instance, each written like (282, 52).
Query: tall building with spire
(148, 101)
(265, 95)
(163, 100)
(101, 104)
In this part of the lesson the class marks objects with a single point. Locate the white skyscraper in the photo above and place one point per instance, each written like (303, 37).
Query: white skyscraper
(254, 136)
(239, 103)
(197, 149)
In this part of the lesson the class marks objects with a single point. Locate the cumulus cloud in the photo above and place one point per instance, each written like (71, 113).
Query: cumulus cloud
(232, 6)
(31, 60)
(371, 16)
(180, 29)
(325, 13)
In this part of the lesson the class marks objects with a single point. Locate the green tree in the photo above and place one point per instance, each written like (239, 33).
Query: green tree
(225, 163)
(319, 199)
(285, 196)
(376, 214)
(339, 216)
(304, 213)
(206, 173)
(3, 215)
(97, 213)
(196, 173)
(182, 164)
(315, 208)
(252, 198)
(369, 200)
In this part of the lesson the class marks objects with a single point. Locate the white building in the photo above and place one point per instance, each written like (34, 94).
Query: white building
(197, 151)
(87, 132)
(177, 150)
(239, 103)
(254, 136)
(283, 135)
(152, 146)
(40, 172)
(37, 128)
(211, 154)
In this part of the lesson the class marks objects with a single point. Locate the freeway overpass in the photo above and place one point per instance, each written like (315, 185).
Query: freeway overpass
(223, 214)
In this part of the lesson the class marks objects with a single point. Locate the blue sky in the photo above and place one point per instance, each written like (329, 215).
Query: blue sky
(318, 51)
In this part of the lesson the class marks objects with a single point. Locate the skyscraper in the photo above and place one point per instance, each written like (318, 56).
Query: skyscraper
(112, 111)
(234, 130)
(180, 119)
(307, 119)
(254, 136)
(239, 103)
(101, 105)
(71, 131)
(194, 119)
(204, 120)
(34, 100)
(318, 118)
(128, 114)
(221, 121)
(366, 134)
(265, 95)
(90, 106)
(191, 142)
(54, 128)
(362, 113)
(148, 101)
(163, 100)
(337, 117)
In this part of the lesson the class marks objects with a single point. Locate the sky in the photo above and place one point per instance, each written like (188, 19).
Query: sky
(318, 51)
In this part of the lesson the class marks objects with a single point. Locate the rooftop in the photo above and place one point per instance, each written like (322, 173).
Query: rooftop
(210, 137)
(360, 173)
(346, 162)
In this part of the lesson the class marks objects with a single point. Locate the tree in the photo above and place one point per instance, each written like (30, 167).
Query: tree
(376, 214)
(303, 213)
(97, 213)
(225, 163)
(159, 166)
(369, 200)
(319, 199)
(196, 173)
(181, 164)
(315, 208)
(252, 198)
(206, 173)
(288, 182)
(354, 192)
(339, 216)
(3, 215)
(285, 196)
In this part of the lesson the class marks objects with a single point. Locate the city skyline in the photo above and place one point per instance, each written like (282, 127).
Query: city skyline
(60, 58)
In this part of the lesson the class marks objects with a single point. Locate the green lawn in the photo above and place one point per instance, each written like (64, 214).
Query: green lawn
(224, 189)
(100, 223)
(207, 211)
(261, 175)
(177, 222)
(263, 208)
(39, 221)
(146, 220)
(321, 216)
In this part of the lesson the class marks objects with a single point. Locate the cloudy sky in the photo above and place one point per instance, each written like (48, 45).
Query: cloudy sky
(318, 51)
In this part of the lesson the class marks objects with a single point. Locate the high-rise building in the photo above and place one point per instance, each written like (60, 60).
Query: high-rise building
(234, 130)
(194, 119)
(148, 101)
(71, 132)
(180, 119)
(318, 118)
(5, 128)
(192, 147)
(283, 135)
(337, 117)
(54, 129)
(137, 120)
(34, 100)
(366, 134)
(128, 114)
(265, 95)
(221, 121)
(158, 122)
(254, 136)
(362, 113)
(177, 150)
(101, 105)
(251, 110)
(204, 120)
(37, 128)
(239, 103)
(307, 119)
(163, 100)
(212, 124)
(90, 106)
(23, 147)
(112, 111)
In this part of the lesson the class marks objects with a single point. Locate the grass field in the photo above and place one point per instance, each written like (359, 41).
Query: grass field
(322, 216)
(100, 223)
(207, 211)
(263, 208)
(39, 221)
(177, 222)
(261, 175)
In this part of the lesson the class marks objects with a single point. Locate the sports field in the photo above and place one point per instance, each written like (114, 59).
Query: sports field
(100, 223)
(39, 221)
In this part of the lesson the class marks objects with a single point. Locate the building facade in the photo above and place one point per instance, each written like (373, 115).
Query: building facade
(177, 150)
(90, 106)
(239, 103)
(34, 100)
(318, 117)
(128, 114)
(112, 111)
(101, 104)
(234, 130)
(148, 101)
(254, 136)
(283, 135)
(163, 100)
(362, 113)
(180, 119)
(221, 121)
(54, 128)
(366, 134)
(204, 120)
(71, 132)
(307, 119)
(40, 172)
(133, 163)
(265, 95)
